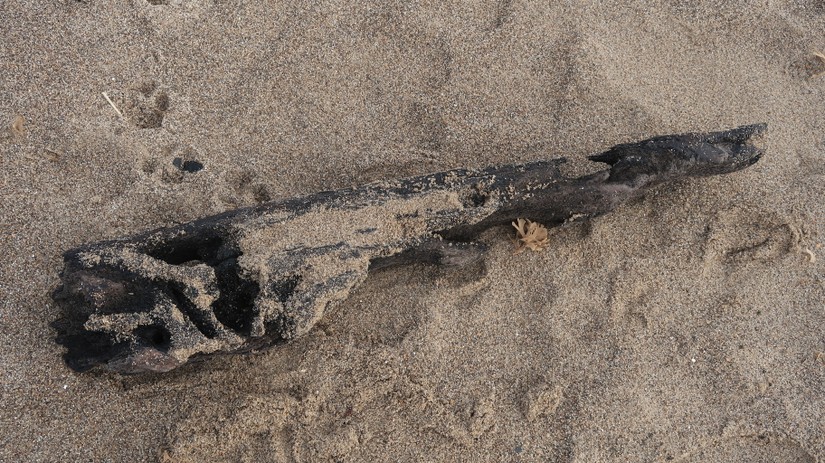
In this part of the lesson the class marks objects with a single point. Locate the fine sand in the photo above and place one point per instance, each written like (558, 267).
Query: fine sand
(686, 326)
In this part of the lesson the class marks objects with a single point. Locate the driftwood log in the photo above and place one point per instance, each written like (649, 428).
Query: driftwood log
(264, 275)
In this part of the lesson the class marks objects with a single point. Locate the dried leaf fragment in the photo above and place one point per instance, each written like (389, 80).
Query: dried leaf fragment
(17, 126)
(809, 255)
(530, 235)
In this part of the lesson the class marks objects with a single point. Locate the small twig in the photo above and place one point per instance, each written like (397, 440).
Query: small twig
(112, 104)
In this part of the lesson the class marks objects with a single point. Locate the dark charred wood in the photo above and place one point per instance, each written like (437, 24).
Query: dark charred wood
(264, 275)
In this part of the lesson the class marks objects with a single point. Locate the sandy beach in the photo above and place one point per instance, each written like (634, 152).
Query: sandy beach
(686, 326)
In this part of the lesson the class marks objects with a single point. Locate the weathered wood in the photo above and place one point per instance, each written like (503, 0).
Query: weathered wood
(264, 275)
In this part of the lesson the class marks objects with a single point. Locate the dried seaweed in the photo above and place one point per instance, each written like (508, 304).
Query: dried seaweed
(530, 235)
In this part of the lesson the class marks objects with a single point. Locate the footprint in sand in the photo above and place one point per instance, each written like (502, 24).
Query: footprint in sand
(147, 105)
(252, 428)
(541, 401)
(246, 188)
(176, 161)
(740, 235)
